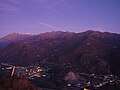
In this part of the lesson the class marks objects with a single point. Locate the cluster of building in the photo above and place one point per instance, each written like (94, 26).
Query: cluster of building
(31, 72)
(82, 81)
(92, 81)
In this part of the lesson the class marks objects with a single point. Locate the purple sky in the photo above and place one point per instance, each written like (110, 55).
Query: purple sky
(36, 16)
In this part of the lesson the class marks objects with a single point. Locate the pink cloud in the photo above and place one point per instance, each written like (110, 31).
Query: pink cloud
(50, 26)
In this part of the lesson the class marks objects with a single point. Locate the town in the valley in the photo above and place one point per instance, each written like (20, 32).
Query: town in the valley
(72, 80)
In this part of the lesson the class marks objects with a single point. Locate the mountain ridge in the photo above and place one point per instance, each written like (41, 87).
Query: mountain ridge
(89, 51)
(12, 37)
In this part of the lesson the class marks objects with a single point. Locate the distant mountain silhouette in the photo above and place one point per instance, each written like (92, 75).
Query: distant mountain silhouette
(89, 52)
(12, 38)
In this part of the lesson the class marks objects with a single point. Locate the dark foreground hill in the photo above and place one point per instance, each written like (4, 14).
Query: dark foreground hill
(89, 52)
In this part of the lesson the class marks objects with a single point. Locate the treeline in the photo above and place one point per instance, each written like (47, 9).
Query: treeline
(16, 83)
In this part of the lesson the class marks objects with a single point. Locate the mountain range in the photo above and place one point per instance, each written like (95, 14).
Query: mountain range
(89, 51)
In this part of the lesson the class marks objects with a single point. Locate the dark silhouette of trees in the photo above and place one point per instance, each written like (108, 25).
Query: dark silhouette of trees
(16, 83)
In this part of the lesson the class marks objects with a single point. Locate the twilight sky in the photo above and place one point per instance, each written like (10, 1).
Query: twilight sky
(36, 16)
